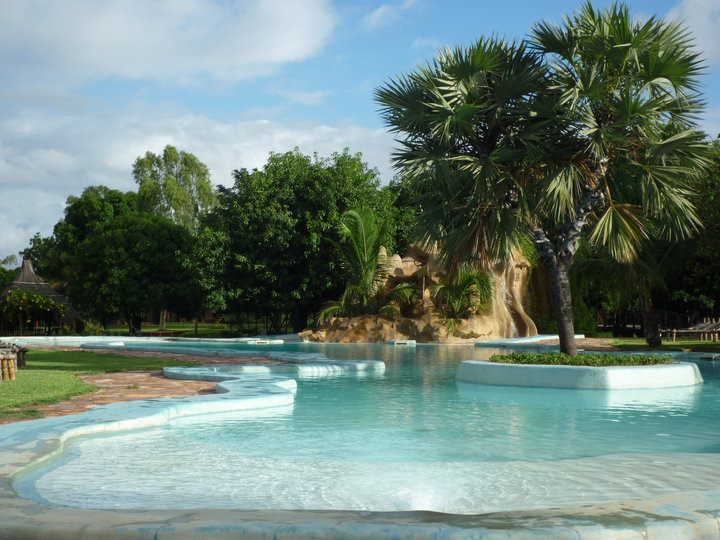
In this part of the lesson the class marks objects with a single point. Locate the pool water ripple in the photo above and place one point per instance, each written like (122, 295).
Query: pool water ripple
(409, 439)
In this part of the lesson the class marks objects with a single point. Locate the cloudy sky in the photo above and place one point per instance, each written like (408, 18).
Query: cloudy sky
(88, 86)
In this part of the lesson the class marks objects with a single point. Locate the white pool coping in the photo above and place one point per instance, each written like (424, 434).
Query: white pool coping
(523, 341)
(676, 374)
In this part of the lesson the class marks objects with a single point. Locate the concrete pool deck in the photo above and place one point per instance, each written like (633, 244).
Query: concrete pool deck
(254, 389)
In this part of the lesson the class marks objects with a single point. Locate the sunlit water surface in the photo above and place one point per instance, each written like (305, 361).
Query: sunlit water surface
(410, 439)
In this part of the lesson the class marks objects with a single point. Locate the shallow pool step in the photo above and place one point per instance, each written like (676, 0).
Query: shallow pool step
(402, 342)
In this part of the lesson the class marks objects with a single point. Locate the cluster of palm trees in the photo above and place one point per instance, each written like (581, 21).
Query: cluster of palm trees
(584, 130)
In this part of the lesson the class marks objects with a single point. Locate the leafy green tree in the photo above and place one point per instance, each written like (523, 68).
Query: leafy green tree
(9, 261)
(116, 262)
(279, 228)
(207, 262)
(176, 185)
(27, 308)
(9, 270)
(626, 284)
(696, 283)
(403, 219)
(84, 217)
(591, 130)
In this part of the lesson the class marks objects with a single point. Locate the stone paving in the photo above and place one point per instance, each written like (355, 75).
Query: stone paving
(131, 385)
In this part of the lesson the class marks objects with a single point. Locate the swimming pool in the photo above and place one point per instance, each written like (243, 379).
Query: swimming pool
(406, 438)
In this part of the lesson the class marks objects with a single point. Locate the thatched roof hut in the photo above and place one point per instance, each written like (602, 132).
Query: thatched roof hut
(28, 280)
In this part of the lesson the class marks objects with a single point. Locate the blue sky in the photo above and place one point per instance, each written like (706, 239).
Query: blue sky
(88, 86)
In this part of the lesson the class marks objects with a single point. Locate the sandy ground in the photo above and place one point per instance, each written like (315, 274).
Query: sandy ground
(589, 344)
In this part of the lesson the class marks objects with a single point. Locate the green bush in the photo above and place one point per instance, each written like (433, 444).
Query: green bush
(590, 359)
(584, 319)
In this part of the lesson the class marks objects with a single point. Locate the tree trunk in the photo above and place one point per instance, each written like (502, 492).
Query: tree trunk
(562, 300)
(134, 324)
(195, 321)
(274, 318)
(651, 321)
(300, 318)
(163, 319)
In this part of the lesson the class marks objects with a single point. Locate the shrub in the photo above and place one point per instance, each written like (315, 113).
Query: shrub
(584, 359)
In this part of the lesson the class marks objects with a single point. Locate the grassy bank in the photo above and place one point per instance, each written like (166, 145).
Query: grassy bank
(52, 376)
(252, 327)
(591, 359)
(639, 344)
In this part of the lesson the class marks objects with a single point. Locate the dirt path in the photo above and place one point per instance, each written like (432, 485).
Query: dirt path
(589, 344)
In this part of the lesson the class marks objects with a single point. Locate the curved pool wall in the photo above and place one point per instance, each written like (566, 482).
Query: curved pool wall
(676, 374)
(267, 389)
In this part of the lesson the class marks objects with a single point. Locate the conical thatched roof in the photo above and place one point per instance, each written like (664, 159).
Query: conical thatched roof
(28, 280)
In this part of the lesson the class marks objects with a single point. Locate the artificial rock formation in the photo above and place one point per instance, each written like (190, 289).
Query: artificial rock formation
(506, 317)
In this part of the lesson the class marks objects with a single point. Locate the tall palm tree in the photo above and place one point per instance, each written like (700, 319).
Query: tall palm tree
(588, 129)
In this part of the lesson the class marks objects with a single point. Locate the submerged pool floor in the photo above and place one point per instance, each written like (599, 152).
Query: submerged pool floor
(408, 438)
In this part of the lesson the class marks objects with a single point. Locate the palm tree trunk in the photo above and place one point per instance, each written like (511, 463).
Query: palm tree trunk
(562, 303)
(651, 321)
(557, 254)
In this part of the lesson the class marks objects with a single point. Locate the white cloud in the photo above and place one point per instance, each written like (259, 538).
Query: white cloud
(385, 14)
(44, 159)
(310, 98)
(703, 18)
(379, 17)
(186, 41)
(426, 43)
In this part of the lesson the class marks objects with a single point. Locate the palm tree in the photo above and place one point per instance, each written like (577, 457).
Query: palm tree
(589, 129)
(462, 295)
(361, 244)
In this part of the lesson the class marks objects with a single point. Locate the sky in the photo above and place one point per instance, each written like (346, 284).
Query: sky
(86, 87)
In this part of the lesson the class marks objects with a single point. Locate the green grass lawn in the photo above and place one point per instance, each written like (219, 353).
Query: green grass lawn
(52, 376)
(589, 359)
(205, 330)
(637, 344)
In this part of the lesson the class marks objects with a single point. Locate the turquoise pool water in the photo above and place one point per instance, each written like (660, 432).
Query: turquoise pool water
(411, 438)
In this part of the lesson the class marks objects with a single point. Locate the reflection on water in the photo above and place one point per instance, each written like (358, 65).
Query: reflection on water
(680, 399)
(377, 442)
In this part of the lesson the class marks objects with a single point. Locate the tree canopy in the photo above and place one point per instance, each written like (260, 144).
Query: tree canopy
(176, 185)
(279, 231)
(114, 261)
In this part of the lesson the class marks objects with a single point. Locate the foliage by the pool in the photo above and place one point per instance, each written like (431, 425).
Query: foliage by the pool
(594, 359)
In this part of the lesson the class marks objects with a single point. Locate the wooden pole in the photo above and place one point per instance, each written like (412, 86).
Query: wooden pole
(7, 368)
